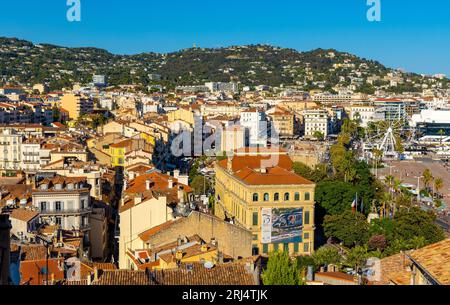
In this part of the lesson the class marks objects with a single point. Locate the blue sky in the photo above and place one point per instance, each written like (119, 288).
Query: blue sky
(413, 34)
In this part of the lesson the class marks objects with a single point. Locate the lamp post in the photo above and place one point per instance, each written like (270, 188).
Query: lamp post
(47, 246)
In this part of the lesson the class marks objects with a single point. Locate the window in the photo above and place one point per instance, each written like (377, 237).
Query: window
(306, 247)
(255, 236)
(306, 236)
(265, 248)
(43, 206)
(286, 247)
(296, 248)
(286, 196)
(266, 196)
(276, 197)
(58, 205)
(297, 196)
(307, 218)
(255, 250)
(255, 197)
(58, 221)
(255, 218)
(83, 204)
(307, 196)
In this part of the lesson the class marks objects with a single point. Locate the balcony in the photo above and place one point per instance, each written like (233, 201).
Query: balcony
(66, 212)
(32, 154)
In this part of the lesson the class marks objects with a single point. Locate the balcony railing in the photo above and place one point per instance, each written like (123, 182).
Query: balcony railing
(66, 211)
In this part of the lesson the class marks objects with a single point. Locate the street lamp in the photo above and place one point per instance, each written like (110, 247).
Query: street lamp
(47, 245)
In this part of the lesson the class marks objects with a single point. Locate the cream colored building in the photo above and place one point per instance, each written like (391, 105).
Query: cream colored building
(264, 195)
(315, 120)
(146, 205)
(10, 150)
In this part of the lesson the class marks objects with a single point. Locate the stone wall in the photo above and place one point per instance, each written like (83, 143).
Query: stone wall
(232, 240)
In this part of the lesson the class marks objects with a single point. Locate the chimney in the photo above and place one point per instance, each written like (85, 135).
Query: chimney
(170, 181)
(148, 184)
(176, 173)
(229, 164)
(95, 274)
(137, 199)
(181, 195)
(220, 257)
(89, 280)
(263, 170)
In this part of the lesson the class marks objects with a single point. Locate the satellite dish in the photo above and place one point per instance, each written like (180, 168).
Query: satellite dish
(209, 265)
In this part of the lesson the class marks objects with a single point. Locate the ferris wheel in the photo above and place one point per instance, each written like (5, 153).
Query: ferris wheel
(384, 137)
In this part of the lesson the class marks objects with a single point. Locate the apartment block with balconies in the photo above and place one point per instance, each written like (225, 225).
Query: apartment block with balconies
(63, 201)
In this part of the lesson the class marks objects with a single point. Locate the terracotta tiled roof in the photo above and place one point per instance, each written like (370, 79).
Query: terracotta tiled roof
(23, 215)
(160, 183)
(435, 259)
(393, 270)
(272, 176)
(33, 272)
(255, 162)
(277, 170)
(227, 274)
(144, 236)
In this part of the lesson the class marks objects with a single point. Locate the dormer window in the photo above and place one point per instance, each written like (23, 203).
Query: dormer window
(58, 186)
(23, 201)
(70, 186)
(10, 202)
(44, 187)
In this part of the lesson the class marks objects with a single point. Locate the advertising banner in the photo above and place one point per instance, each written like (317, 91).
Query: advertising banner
(281, 225)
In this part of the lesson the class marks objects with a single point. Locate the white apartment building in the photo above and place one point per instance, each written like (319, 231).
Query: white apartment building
(364, 113)
(222, 87)
(255, 123)
(315, 120)
(10, 150)
(30, 159)
(63, 201)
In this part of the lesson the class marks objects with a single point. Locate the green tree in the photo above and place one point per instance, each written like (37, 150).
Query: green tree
(356, 257)
(281, 270)
(427, 177)
(334, 197)
(438, 184)
(326, 255)
(441, 133)
(200, 184)
(319, 135)
(414, 222)
(349, 227)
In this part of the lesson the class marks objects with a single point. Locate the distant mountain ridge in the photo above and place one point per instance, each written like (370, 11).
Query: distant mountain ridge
(29, 63)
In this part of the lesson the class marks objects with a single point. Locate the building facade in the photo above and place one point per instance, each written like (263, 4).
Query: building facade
(270, 200)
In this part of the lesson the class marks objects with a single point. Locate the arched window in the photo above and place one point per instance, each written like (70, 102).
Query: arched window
(276, 197)
(307, 196)
(255, 197)
(266, 196)
(297, 196)
(286, 196)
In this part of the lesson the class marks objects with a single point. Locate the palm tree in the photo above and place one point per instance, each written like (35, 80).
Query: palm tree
(397, 185)
(427, 177)
(377, 153)
(438, 184)
(441, 132)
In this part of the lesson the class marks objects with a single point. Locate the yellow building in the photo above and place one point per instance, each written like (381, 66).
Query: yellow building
(183, 114)
(283, 122)
(258, 190)
(117, 153)
(76, 105)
